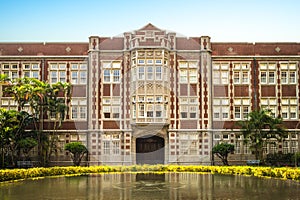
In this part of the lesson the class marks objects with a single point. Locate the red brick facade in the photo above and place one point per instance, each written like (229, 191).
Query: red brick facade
(151, 82)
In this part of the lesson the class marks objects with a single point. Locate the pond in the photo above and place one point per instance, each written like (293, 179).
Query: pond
(151, 186)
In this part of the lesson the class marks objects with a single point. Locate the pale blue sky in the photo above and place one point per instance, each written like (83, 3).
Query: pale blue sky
(222, 20)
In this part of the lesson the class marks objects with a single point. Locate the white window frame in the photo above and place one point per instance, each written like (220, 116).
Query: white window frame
(242, 108)
(81, 73)
(269, 69)
(221, 108)
(241, 73)
(60, 69)
(78, 106)
(290, 69)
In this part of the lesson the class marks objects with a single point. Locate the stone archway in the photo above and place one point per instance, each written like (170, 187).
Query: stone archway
(150, 150)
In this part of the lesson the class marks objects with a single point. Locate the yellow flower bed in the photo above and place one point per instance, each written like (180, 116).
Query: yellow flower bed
(282, 173)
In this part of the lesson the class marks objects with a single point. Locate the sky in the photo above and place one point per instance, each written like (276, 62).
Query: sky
(222, 20)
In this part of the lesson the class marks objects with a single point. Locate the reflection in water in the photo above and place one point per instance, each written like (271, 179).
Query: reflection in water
(151, 186)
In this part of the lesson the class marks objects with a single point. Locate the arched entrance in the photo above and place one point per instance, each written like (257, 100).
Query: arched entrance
(150, 150)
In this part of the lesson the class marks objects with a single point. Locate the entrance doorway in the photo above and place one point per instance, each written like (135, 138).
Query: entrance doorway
(150, 150)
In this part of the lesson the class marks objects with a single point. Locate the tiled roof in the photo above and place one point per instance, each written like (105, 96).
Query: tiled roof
(32, 49)
(251, 49)
(187, 43)
(116, 43)
(149, 27)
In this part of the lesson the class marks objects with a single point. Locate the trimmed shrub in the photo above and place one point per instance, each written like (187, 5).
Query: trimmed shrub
(283, 172)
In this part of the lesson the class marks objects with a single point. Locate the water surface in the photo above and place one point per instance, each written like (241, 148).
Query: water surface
(151, 186)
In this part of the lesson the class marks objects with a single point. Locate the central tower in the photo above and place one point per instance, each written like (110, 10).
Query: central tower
(149, 98)
(150, 51)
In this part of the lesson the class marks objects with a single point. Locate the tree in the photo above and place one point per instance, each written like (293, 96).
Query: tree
(14, 139)
(222, 150)
(260, 128)
(77, 151)
(46, 101)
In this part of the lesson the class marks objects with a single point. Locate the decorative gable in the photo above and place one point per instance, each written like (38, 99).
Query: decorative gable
(149, 36)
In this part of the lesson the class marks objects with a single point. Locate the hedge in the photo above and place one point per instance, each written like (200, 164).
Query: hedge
(282, 172)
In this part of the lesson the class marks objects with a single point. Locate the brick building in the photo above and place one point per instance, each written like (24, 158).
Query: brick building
(151, 96)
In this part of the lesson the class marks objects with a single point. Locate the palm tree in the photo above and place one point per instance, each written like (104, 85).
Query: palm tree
(260, 128)
(43, 100)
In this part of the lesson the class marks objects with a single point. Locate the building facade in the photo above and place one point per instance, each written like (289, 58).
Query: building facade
(151, 96)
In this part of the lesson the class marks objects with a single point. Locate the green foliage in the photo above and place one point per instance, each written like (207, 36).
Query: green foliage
(14, 140)
(77, 151)
(222, 150)
(280, 159)
(44, 100)
(282, 173)
(260, 128)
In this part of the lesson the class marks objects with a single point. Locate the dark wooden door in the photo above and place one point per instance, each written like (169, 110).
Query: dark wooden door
(150, 150)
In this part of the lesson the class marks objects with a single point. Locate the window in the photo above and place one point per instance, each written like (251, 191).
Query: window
(183, 76)
(288, 73)
(236, 77)
(237, 112)
(247, 149)
(150, 109)
(78, 73)
(193, 75)
(285, 147)
(158, 73)
(149, 73)
(269, 103)
(115, 112)
(141, 62)
(115, 147)
(263, 77)
(62, 76)
(245, 77)
(271, 77)
(292, 77)
(221, 108)
(289, 108)
(272, 148)
(150, 62)
(111, 71)
(106, 75)
(111, 112)
(284, 78)
(31, 70)
(158, 62)
(53, 76)
(184, 111)
(58, 72)
(11, 70)
(267, 73)
(141, 73)
(116, 75)
(188, 110)
(141, 110)
(188, 144)
(8, 103)
(294, 146)
(241, 108)
(220, 73)
(241, 73)
(106, 147)
(74, 77)
(78, 108)
(193, 112)
(237, 148)
(187, 72)
(111, 144)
